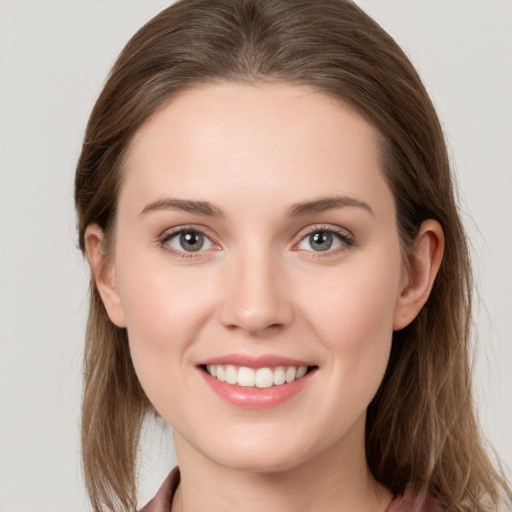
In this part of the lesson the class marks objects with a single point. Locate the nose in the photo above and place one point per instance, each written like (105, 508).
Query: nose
(255, 299)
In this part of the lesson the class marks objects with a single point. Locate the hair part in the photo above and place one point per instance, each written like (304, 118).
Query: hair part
(421, 426)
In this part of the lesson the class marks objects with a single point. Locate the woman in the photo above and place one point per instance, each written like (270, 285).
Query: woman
(278, 269)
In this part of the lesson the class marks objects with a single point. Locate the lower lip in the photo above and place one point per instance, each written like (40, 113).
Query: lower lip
(256, 398)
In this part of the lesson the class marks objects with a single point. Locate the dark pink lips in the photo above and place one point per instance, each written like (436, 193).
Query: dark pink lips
(253, 397)
(263, 361)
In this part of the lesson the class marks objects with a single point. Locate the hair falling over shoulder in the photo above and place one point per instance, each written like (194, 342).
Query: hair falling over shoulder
(421, 426)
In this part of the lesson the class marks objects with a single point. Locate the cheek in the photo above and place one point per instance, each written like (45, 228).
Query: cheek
(352, 315)
(349, 306)
(160, 299)
(157, 308)
(161, 324)
(163, 306)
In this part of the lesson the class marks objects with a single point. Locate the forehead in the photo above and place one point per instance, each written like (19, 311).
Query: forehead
(271, 139)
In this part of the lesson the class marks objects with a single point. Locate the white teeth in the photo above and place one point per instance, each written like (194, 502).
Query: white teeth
(221, 373)
(301, 371)
(264, 378)
(279, 376)
(246, 377)
(260, 378)
(290, 374)
(231, 375)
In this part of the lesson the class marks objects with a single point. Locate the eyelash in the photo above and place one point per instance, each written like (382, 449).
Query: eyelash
(168, 236)
(346, 239)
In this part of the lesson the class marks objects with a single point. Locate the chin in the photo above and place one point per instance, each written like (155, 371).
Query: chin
(260, 464)
(261, 457)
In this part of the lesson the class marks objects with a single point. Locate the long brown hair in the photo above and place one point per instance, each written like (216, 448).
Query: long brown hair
(421, 426)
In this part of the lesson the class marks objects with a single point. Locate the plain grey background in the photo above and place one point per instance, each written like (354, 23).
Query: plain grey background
(54, 57)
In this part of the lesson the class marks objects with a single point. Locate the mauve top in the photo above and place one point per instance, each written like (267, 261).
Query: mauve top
(163, 499)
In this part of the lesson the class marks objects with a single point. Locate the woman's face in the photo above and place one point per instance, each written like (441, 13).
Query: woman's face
(255, 230)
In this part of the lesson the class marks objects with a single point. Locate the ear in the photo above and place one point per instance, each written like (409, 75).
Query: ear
(424, 263)
(103, 271)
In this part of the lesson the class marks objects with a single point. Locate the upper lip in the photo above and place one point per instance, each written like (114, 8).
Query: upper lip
(250, 361)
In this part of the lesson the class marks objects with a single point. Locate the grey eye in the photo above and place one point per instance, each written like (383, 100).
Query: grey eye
(189, 241)
(320, 241)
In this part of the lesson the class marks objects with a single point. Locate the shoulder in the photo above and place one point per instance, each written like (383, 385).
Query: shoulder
(409, 502)
(163, 499)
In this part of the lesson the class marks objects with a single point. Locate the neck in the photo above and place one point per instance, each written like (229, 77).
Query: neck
(337, 480)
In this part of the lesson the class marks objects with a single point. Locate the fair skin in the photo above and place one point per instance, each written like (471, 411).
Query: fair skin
(295, 256)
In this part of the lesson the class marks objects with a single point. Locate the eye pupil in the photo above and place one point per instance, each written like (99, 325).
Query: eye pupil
(191, 241)
(321, 240)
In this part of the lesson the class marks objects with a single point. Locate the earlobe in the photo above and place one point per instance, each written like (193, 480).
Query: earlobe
(103, 272)
(424, 264)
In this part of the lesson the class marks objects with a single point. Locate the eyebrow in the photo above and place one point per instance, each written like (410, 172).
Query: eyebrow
(326, 203)
(199, 207)
(295, 210)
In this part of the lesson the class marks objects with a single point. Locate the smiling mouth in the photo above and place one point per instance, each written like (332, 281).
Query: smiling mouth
(266, 377)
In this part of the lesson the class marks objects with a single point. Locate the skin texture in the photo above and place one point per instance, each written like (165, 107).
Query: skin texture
(259, 287)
